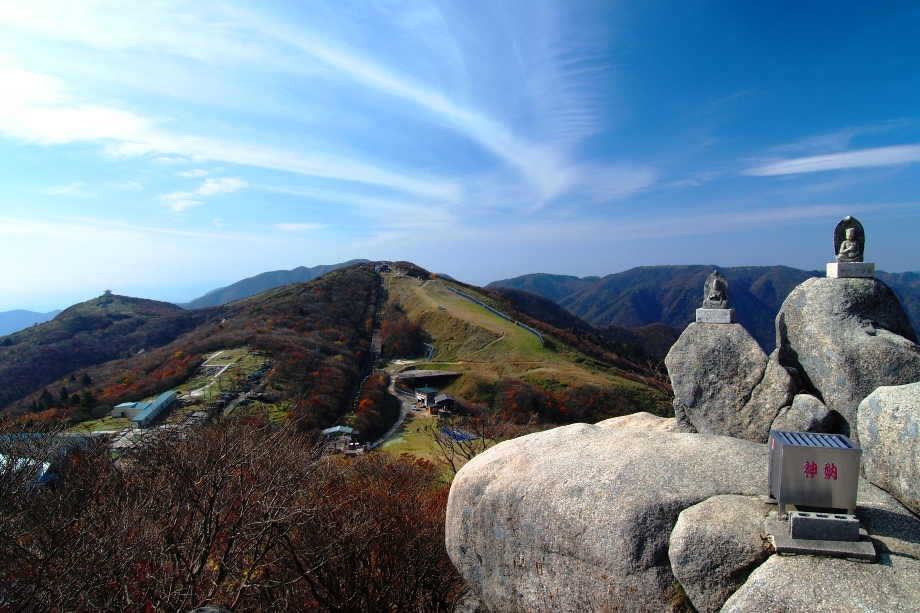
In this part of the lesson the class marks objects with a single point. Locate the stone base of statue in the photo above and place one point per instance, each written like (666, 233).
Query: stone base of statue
(715, 316)
(851, 270)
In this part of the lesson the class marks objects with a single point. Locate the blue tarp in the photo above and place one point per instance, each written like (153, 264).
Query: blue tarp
(457, 436)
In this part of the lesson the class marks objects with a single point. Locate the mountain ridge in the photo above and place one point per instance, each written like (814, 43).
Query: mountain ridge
(20, 319)
(262, 282)
(670, 295)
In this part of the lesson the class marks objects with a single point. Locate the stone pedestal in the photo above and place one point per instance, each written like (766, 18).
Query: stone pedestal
(715, 316)
(850, 270)
(823, 526)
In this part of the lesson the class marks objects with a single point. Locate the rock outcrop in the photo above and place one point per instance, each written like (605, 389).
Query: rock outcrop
(894, 529)
(806, 414)
(803, 584)
(725, 384)
(581, 516)
(640, 421)
(846, 337)
(807, 584)
(715, 545)
(889, 433)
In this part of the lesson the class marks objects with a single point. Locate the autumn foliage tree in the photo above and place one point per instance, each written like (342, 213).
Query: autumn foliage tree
(315, 332)
(377, 409)
(401, 337)
(250, 519)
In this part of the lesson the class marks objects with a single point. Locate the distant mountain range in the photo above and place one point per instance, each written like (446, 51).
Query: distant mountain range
(14, 321)
(262, 283)
(671, 294)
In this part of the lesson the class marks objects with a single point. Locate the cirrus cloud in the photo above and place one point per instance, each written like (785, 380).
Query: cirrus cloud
(179, 201)
(862, 158)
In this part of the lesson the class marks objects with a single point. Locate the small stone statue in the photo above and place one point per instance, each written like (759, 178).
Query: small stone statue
(849, 240)
(715, 292)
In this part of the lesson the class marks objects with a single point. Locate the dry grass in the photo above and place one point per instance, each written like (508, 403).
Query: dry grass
(472, 340)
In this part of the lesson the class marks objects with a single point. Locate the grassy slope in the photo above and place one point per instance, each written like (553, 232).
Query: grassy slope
(470, 339)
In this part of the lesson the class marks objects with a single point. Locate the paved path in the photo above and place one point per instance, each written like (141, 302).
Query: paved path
(198, 393)
(406, 404)
(211, 358)
(236, 402)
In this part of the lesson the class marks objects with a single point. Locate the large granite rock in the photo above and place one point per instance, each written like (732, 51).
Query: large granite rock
(807, 584)
(640, 421)
(846, 337)
(806, 414)
(802, 584)
(715, 545)
(725, 384)
(889, 433)
(893, 528)
(579, 517)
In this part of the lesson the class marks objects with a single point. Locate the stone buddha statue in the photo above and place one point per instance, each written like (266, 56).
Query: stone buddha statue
(715, 292)
(850, 249)
(849, 240)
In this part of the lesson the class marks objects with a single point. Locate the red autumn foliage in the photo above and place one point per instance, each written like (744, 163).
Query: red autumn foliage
(228, 515)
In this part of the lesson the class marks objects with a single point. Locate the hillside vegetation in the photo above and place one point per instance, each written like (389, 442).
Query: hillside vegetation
(576, 375)
(318, 334)
(86, 335)
(228, 515)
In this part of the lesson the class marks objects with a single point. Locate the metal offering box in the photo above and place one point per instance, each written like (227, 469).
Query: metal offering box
(814, 470)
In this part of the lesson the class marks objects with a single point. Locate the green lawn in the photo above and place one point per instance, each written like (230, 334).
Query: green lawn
(411, 437)
(104, 423)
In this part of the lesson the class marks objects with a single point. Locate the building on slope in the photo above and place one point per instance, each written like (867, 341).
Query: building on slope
(142, 413)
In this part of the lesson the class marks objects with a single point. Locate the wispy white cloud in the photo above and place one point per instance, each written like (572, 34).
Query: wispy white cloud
(125, 184)
(212, 187)
(197, 173)
(374, 207)
(169, 160)
(24, 227)
(538, 150)
(41, 111)
(179, 201)
(862, 158)
(540, 164)
(579, 230)
(300, 227)
(37, 108)
(65, 189)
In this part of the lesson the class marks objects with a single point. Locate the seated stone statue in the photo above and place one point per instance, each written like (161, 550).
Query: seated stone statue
(850, 249)
(849, 240)
(715, 292)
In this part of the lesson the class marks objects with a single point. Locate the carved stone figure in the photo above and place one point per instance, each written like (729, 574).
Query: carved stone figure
(715, 292)
(849, 240)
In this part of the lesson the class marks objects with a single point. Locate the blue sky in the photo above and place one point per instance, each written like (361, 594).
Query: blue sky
(163, 149)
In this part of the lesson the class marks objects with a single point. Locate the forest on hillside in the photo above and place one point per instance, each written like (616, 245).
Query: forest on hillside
(318, 334)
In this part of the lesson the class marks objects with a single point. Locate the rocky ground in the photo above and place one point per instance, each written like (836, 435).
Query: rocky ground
(641, 513)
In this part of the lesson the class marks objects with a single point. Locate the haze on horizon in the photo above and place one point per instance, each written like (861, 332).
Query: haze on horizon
(163, 149)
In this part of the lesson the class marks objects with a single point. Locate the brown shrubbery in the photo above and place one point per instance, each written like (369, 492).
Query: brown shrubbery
(401, 337)
(317, 333)
(228, 515)
(377, 409)
(513, 400)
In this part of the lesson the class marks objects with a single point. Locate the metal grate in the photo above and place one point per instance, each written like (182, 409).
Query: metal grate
(806, 439)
